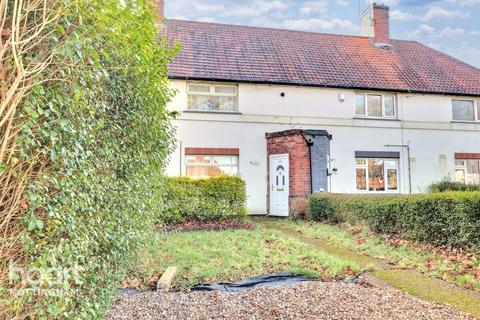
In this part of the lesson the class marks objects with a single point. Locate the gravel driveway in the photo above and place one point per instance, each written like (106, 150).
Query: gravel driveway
(308, 300)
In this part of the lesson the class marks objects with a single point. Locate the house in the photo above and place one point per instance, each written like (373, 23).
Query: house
(298, 112)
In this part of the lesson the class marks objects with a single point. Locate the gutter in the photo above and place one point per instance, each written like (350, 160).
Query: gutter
(311, 85)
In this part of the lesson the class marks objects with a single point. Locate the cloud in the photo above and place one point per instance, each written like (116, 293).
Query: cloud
(474, 33)
(421, 30)
(319, 24)
(194, 9)
(207, 19)
(429, 31)
(387, 2)
(416, 2)
(465, 3)
(402, 15)
(205, 7)
(256, 8)
(441, 13)
(450, 32)
(342, 3)
(432, 13)
(314, 7)
(465, 52)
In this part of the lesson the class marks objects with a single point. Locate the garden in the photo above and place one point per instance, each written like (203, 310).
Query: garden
(346, 239)
(85, 209)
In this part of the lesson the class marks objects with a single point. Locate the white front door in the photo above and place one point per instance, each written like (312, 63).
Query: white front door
(279, 185)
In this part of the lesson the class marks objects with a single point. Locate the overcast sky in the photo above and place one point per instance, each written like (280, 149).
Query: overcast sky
(451, 26)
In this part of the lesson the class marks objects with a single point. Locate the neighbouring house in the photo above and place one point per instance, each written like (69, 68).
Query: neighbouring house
(299, 112)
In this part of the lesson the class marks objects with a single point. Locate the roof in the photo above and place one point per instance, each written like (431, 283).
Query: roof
(220, 52)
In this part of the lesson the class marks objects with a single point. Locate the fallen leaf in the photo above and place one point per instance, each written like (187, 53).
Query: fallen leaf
(360, 240)
(429, 264)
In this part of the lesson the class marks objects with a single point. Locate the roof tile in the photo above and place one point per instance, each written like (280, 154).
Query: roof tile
(250, 54)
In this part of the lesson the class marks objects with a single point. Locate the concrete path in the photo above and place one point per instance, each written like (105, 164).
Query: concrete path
(410, 281)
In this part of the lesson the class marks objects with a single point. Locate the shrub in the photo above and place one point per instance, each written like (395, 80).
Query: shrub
(446, 219)
(93, 145)
(449, 185)
(209, 199)
(320, 208)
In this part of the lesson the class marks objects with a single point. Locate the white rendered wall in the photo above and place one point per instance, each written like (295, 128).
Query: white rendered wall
(425, 122)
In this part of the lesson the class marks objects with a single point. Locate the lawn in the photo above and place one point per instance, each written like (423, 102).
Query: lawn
(208, 257)
(325, 252)
(225, 256)
(460, 268)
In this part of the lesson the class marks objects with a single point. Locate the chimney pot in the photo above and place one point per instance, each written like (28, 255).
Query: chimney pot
(375, 22)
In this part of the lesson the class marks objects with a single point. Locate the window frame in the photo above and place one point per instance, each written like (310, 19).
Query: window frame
(385, 173)
(476, 111)
(212, 93)
(212, 164)
(463, 167)
(382, 95)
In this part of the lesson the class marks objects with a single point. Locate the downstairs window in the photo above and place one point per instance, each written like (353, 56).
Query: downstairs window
(202, 166)
(467, 171)
(377, 175)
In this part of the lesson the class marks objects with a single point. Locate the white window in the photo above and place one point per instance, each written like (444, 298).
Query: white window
(211, 165)
(465, 110)
(372, 105)
(377, 175)
(467, 171)
(212, 97)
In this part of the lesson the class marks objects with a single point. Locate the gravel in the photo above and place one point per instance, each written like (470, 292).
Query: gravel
(308, 300)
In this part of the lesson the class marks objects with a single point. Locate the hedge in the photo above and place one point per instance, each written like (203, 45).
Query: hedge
(95, 143)
(209, 199)
(446, 219)
(448, 185)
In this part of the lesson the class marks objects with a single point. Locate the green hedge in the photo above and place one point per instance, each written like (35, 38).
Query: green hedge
(214, 198)
(448, 185)
(103, 133)
(446, 219)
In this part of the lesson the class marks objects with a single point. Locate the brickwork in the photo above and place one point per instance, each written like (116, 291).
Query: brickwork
(464, 156)
(213, 151)
(297, 149)
(293, 143)
(160, 10)
(381, 23)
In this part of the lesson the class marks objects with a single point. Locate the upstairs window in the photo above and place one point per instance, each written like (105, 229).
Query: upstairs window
(465, 110)
(212, 97)
(369, 105)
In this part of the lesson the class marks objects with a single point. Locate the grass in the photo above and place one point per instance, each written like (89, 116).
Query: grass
(208, 257)
(425, 261)
(322, 251)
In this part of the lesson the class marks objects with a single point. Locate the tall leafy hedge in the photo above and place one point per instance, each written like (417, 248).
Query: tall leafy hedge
(214, 198)
(103, 133)
(446, 219)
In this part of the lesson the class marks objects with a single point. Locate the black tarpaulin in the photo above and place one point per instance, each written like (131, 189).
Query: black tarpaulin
(265, 280)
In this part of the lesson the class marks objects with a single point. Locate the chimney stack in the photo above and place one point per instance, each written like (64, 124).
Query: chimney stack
(160, 6)
(375, 24)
